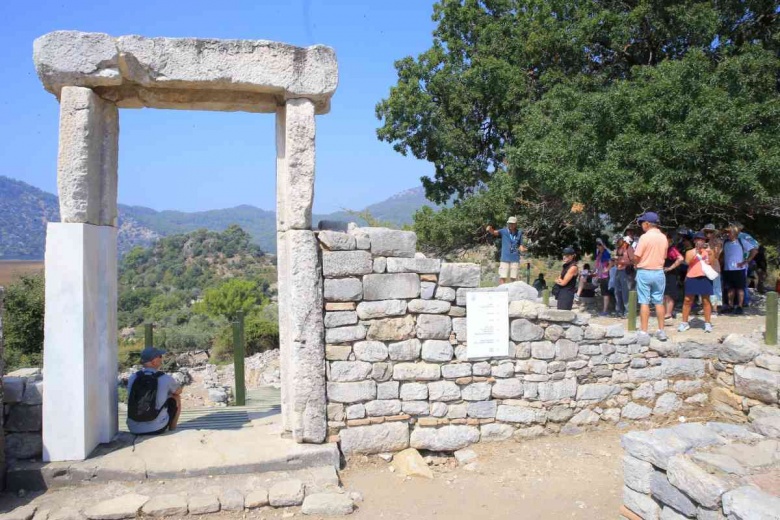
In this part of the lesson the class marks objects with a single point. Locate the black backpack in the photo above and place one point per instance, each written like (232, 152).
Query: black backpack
(142, 402)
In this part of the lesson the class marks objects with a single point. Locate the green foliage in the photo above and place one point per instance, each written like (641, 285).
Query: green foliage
(23, 323)
(260, 334)
(229, 298)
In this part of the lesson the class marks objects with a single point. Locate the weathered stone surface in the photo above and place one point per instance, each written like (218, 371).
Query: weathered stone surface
(166, 505)
(436, 350)
(596, 392)
(637, 474)
(347, 371)
(381, 309)
(433, 326)
(521, 414)
(345, 334)
(459, 275)
(392, 329)
(13, 389)
(757, 383)
(732, 431)
(340, 319)
(565, 350)
(413, 265)
(443, 391)
(750, 503)
(635, 411)
(690, 368)
(28, 512)
(737, 349)
(416, 372)
(340, 306)
(286, 493)
(666, 404)
(556, 315)
(482, 409)
(410, 463)
(384, 407)
(337, 352)
(429, 307)
(524, 330)
(427, 290)
(703, 487)
(495, 432)
(768, 426)
(415, 407)
(559, 414)
(664, 492)
(585, 417)
(392, 242)
(380, 264)
(336, 241)
(125, 506)
(594, 332)
(524, 309)
(343, 290)
(337, 264)
(23, 445)
(543, 350)
(376, 438)
(476, 392)
(695, 350)
(654, 446)
(24, 419)
(408, 350)
(446, 438)
(356, 411)
(371, 351)
(768, 361)
(445, 293)
(327, 504)
(391, 286)
(456, 370)
(65, 58)
(554, 391)
(642, 505)
(507, 389)
(388, 390)
(414, 391)
(352, 392)
(33, 393)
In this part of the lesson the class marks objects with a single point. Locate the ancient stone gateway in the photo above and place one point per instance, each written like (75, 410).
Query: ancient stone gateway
(92, 75)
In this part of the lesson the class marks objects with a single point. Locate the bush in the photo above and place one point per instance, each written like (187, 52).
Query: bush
(260, 335)
(23, 323)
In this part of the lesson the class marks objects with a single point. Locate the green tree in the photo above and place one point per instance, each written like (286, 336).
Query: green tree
(23, 322)
(230, 297)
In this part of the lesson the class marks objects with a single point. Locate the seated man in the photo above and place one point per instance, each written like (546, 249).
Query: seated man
(154, 398)
(540, 284)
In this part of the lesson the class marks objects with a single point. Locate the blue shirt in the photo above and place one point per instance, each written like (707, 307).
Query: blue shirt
(166, 387)
(510, 245)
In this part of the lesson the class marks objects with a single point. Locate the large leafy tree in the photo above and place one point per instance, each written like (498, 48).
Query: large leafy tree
(549, 90)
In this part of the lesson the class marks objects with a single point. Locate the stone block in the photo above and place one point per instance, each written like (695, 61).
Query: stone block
(337, 352)
(413, 265)
(483, 410)
(596, 392)
(340, 306)
(658, 446)
(689, 368)
(336, 241)
(594, 332)
(667, 404)
(165, 505)
(356, 411)
(556, 315)
(503, 370)
(381, 309)
(507, 389)
(695, 350)
(637, 474)
(542, 350)
(495, 432)
(429, 307)
(427, 290)
(349, 371)
(286, 493)
(557, 390)
(382, 372)
(408, 350)
(768, 426)
(757, 383)
(23, 445)
(371, 351)
(327, 505)
(436, 350)
(438, 409)
(380, 408)
(459, 275)
(345, 334)
(703, 487)
(13, 389)
(256, 498)
(414, 391)
(521, 415)
(391, 242)
(338, 264)
(456, 370)
(768, 361)
(375, 438)
(635, 411)
(748, 502)
(584, 417)
(640, 504)
(738, 349)
(523, 330)
(343, 290)
(392, 329)
(565, 350)
(118, 508)
(559, 414)
(340, 319)
(388, 390)
(525, 309)
(203, 504)
(443, 391)
(446, 438)
(336, 412)
(553, 332)
(416, 372)
(665, 493)
(574, 334)
(352, 392)
(433, 326)
(24, 418)
(476, 392)
(445, 293)
(415, 407)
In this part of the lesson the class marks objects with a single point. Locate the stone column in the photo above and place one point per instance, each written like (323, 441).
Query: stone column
(80, 343)
(301, 329)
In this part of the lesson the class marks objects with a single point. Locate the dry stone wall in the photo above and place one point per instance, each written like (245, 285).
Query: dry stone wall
(22, 417)
(398, 373)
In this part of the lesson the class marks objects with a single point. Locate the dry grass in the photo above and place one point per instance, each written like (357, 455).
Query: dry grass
(12, 270)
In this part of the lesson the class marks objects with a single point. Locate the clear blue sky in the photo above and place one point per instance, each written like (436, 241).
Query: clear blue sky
(206, 160)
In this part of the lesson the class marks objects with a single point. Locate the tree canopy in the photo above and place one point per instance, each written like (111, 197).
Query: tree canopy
(604, 107)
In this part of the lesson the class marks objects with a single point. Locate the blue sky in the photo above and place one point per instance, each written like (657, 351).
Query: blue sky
(206, 160)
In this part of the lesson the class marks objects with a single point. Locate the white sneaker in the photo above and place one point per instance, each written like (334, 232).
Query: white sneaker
(660, 335)
(683, 327)
(708, 327)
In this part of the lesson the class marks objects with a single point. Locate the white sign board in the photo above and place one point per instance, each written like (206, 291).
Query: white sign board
(487, 324)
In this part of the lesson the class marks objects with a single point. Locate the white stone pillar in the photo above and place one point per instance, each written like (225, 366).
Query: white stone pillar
(80, 332)
(300, 277)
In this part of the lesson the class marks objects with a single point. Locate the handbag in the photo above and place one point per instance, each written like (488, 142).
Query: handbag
(709, 272)
(556, 290)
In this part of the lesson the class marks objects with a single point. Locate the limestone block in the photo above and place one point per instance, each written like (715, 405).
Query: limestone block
(256, 498)
(666, 404)
(584, 417)
(286, 493)
(556, 315)
(757, 383)
(347, 371)
(343, 290)
(456, 370)
(356, 411)
(507, 389)
(532, 432)
(596, 392)
(392, 329)
(87, 159)
(768, 426)
(664, 492)
(295, 164)
(503, 369)
(391, 286)
(640, 504)
(345, 334)
(659, 446)
(352, 392)
(476, 392)
(523, 330)
(594, 332)
(732, 431)
(381, 309)
(637, 474)
(336, 241)
(416, 372)
(635, 411)
(23, 445)
(521, 414)
(429, 307)
(769, 362)
(13, 389)
(443, 391)
(24, 418)
(380, 408)
(738, 349)
(557, 390)
(338, 264)
(553, 332)
(432, 326)
(446, 438)
(703, 487)
(690, 368)
(695, 350)
(340, 319)
(483, 410)
(337, 352)
(436, 350)
(408, 350)
(391, 243)
(542, 350)
(616, 331)
(481, 368)
(748, 502)
(459, 275)
(336, 412)
(445, 293)
(376, 438)
(165, 505)
(327, 505)
(574, 333)
(495, 432)
(525, 309)
(380, 265)
(387, 390)
(565, 350)
(65, 58)
(427, 290)
(371, 351)
(118, 508)
(415, 407)
(413, 265)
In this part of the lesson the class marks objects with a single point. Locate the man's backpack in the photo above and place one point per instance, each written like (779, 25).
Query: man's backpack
(142, 401)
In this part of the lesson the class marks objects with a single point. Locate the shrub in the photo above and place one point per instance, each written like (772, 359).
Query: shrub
(23, 322)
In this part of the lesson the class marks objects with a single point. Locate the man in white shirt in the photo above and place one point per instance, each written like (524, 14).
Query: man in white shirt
(737, 255)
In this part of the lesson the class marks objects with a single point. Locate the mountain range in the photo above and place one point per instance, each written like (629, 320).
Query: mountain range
(25, 210)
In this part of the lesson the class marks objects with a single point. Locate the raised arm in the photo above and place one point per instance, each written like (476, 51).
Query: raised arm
(493, 231)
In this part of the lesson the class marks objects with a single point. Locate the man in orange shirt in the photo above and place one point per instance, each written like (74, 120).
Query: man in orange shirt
(650, 278)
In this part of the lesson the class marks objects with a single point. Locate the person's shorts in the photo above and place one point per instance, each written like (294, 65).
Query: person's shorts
(170, 404)
(698, 286)
(604, 286)
(508, 270)
(672, 289)
(734, 279)
(650, 285)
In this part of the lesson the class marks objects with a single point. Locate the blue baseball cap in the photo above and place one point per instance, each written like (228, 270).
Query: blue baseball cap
(650, 217)
(150, 353)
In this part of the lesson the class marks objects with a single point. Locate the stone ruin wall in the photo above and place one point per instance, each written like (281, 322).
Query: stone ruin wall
(398, 375)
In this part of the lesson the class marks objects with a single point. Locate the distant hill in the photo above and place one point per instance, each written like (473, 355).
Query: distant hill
(25, 210)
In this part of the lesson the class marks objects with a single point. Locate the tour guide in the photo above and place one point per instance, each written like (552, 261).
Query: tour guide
(154, 397)
(511, 245)
(650, 278)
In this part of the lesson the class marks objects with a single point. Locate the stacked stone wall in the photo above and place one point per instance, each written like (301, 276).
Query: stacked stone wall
(22, 415)
(398, 374)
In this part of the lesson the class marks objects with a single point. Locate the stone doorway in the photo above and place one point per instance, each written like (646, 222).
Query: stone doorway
(93, 75)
